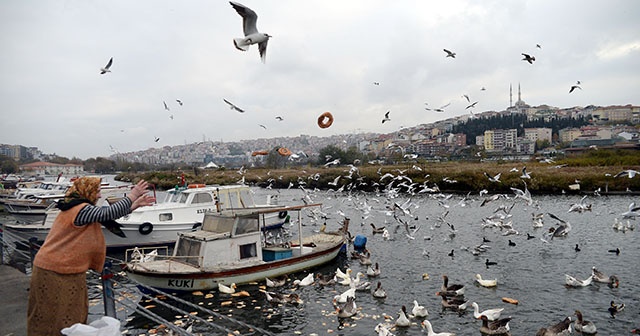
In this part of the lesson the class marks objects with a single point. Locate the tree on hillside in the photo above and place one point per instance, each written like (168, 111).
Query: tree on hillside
(8, 165)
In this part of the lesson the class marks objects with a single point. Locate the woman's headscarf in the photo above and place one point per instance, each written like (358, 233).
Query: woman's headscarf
(84, 190)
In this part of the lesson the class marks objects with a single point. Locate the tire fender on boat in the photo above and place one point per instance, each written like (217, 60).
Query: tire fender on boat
(145, 228)
(284, 151)
(282, 214)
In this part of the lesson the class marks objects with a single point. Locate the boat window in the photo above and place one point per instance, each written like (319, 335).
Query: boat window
(248, 251)
(183, 198)
(189, 249)
(202, 198)
(246, 199)
(165, 217)
(246, 225)
(217, 224)
(223, 198)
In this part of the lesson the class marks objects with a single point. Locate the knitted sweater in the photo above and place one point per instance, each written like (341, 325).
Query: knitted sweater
(69, 248)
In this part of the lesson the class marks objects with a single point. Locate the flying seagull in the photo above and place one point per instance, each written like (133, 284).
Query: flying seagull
(538, 46)
(263, 126)
(251, 34)
(376, 83)
(439, 109)
(573, 87)
(386, 117)
(450, 53)
(233, 107)
(466, 97)
(106, 67)
(156, 139)
(165, 105)
(528, 58)
(472, 105)
(179, 102)
(279, 118)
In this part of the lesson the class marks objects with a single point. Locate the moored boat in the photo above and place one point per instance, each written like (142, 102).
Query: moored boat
(182, 210)
(232, 248)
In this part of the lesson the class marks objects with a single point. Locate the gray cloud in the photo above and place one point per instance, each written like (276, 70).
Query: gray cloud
(324, 56)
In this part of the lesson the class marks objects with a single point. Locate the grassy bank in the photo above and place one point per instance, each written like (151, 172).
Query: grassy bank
(545, 178)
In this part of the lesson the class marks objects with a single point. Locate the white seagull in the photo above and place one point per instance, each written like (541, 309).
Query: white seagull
(251, 34)
(233, 106)
(629, 172)
(106, 67)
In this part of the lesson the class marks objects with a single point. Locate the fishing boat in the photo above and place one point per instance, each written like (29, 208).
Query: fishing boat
(181, 210)
(233, 248)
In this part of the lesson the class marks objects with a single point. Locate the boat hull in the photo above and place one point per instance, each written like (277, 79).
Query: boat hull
(208, 280)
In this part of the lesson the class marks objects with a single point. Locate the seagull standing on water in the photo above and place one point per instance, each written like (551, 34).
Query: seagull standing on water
(106, 67)
(251, 34)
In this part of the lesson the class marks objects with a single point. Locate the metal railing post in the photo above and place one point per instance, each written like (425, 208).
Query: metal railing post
(107, 291)
(2, 246)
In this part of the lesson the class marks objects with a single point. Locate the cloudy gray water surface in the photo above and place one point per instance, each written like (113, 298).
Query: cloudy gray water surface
(532, 271)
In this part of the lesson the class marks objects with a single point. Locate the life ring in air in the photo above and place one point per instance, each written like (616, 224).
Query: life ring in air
(284, 151)
(325, 120)
(145, 228)
(254, 153)
(282, 214)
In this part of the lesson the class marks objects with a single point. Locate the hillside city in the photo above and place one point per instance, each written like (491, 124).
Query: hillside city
(517, 133)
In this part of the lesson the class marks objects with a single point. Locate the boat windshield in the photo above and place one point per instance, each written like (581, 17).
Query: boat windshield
(218, 224)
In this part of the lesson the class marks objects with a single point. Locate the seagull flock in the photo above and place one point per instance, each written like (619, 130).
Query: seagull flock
(395, 200)
(254, 37)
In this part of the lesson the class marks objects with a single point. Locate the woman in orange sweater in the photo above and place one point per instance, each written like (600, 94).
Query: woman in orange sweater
(58, 293)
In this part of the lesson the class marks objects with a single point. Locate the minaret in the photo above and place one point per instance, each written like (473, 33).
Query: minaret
(519, 97)
(510, 96)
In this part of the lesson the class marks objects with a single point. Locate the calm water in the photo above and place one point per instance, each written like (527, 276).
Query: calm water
(532, 271)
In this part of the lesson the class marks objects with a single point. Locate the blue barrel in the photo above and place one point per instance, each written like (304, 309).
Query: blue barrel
(360, 243)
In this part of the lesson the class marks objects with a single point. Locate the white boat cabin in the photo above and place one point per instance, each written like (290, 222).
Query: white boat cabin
(236, 238)
(188, 205)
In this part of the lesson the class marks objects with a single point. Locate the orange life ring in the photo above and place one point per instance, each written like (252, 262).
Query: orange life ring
(196, 185)
(321, 120)
(259, 153)
(284, 151)
(510, 300)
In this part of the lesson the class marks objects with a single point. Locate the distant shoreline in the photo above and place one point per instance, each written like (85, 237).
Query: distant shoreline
(450, 177)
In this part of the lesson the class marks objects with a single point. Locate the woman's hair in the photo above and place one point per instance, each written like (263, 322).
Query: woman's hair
(87, 187)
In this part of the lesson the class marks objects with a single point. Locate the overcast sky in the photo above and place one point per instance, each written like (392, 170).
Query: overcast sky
(324, 56)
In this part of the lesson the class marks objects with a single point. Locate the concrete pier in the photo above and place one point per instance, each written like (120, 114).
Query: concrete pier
(14, 296)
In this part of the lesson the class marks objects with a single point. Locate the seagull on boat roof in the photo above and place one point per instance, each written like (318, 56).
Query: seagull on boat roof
(106, 67)
(251, 34)
(233, 106)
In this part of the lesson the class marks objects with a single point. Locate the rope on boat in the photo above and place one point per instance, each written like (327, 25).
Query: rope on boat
(203, 309)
